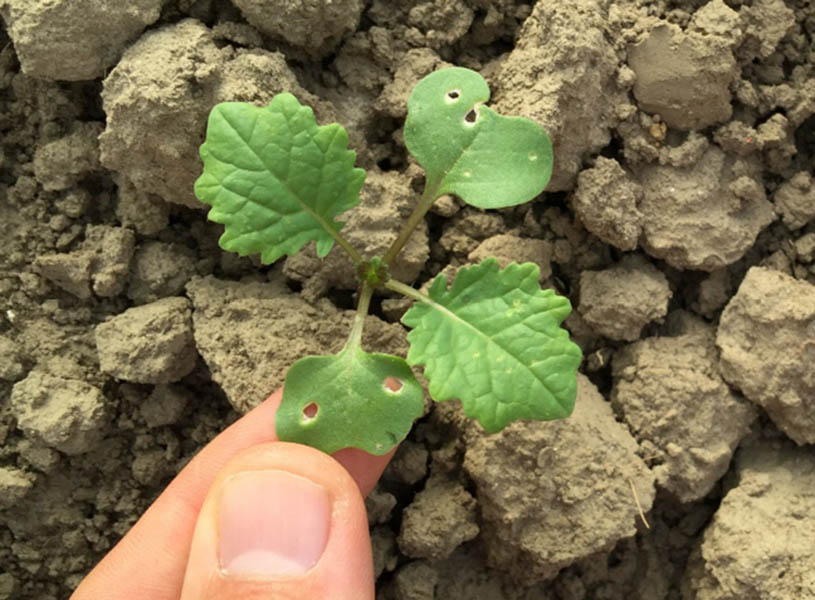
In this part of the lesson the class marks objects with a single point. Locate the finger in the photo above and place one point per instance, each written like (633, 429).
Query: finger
(149, 561)
(281, 521)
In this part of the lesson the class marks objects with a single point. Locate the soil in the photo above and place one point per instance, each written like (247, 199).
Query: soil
(680, 222)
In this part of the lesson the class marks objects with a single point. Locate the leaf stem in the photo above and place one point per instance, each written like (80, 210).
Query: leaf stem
(421, 208)
(355, 337)
(406, 290)
(343, 243)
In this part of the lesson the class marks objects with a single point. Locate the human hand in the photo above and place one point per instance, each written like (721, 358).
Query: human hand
(250, 517)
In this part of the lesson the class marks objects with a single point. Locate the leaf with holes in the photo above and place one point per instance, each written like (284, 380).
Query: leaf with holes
(486, 159)
(494, 341)
(276, 179)
(350, 399)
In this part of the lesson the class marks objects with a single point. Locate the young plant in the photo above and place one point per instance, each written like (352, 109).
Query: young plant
(276, 180)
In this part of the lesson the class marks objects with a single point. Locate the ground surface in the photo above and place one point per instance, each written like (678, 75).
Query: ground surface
(680, 222)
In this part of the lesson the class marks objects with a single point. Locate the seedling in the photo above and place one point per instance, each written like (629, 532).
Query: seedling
(276, 181)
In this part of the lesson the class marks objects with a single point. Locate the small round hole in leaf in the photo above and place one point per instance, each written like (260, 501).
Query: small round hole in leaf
(392, 384)
(453, 95)
(471, 116)
(310, 412)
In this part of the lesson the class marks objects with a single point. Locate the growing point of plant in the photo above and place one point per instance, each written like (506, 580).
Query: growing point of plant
(493, 339)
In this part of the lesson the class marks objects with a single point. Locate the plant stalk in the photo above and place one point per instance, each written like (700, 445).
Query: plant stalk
(355, 337)
(406, 290)
(421, 208)
(343, 243)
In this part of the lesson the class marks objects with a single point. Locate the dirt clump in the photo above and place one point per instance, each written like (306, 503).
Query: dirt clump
(619, 301)
(313, 26)
(74, 41)
(249, 334)
(683, 226)
(606, 200)
(758, 544)
(543, 507)
(160, 93)
(767, 340)
(65, 414)
(152, 343)
(683, 414)
(550, 68)
(441, 517)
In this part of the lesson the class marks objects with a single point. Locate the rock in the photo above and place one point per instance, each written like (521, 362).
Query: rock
(160, 269)
(164, 406)
(766, 335)
(704, 217)
(11, 361)
(765, 23)
(805, 248)
(149, 467)
(714, 292)
(619, 301)
(8, 586)
(607, 200)
(552, 493)
(441, 517)
(415, 581)
(146, 213)
(65, 414)
(71, 272)
(413, 66)
(316, 27)
(112, 249)
(681, 412)
(60, 164)
(685, 78)
(511, 248)
(379, 505)
(550, 67)
(795, 200)
(250, 334)
(74, 40)
(409, 464)
(160, 93)
(148, 344)
(442, 22)
(371, 227)
(470, 226)
(100, 265)
(717, 19)
(14, 485)
(760, 543)
(383, 546)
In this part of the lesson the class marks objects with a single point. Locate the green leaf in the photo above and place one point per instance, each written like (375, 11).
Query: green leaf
(491, 162)
(355, 407)
(276, 179)
(494, 341)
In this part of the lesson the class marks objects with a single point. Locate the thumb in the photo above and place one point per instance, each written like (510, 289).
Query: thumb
(281, 521)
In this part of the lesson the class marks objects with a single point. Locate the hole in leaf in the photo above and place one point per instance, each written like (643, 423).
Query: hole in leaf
(310, 412)
(471, 116)
(453, 94)
(392, 384)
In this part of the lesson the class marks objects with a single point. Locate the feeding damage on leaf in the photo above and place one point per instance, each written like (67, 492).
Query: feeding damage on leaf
(494, 339)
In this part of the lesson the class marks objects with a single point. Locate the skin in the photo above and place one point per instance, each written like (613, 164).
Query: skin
(151, 561)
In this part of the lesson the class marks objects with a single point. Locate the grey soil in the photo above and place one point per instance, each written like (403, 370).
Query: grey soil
(680, 222)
